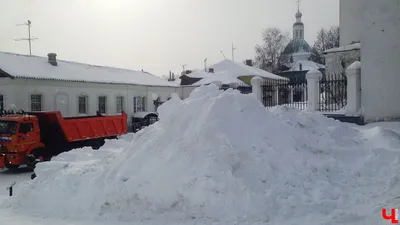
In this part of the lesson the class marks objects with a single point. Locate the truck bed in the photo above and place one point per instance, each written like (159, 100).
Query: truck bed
(74, 129)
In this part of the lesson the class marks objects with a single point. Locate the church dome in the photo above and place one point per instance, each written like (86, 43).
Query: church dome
(299, 14)
(297, 46)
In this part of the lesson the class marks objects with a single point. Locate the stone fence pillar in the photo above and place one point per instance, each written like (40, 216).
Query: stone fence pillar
(313, 77)
(256, 83)
(353, 73)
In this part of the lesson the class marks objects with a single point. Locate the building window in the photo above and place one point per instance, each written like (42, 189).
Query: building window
(1, 103)
(102, 104)
(82, 104)
(36, 103)
(120, 104)
(139, 104)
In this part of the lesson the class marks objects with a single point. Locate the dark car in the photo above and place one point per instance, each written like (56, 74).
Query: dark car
(143, 119)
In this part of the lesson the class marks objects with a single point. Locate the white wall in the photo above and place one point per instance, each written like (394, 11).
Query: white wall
(333, 61)
(351, 22)
(18, 92)
(380, 54)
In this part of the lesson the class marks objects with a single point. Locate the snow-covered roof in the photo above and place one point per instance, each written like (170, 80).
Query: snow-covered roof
(223, 77)
(344, 48)
(235, 69)
(36, 67)
(306, 65)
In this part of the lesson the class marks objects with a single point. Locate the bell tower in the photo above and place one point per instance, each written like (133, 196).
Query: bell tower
(298, 26)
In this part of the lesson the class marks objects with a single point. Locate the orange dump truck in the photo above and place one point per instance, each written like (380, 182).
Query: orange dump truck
(28, 138)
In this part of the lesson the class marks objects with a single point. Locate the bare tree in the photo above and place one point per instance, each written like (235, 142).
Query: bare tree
(326, 39)
(267, 54)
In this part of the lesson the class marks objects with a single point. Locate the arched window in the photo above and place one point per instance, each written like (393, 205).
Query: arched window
(120, 104)
(103, 104)
(83, 104)
(36, 102)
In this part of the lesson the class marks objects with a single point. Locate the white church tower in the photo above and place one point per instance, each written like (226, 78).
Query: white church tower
(298, 55)
(298, 26)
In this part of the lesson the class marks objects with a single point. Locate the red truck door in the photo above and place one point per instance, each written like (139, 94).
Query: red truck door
(26, 134)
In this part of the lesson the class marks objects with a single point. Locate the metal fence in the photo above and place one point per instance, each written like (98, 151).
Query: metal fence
(333, 89)
(288, 92)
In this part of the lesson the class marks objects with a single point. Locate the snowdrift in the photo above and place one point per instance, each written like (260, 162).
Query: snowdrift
(219, 157)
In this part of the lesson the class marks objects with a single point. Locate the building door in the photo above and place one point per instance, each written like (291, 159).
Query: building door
(62, 104)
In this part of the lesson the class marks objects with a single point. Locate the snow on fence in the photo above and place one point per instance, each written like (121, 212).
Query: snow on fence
(292, 92)
(333, 92)
(330, 94)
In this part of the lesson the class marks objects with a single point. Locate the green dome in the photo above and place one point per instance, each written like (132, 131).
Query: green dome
(296, 46)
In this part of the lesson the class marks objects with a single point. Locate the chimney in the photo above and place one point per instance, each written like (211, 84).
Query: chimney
(301, 66)
(211, 70)
(249, 62)
(52, 58)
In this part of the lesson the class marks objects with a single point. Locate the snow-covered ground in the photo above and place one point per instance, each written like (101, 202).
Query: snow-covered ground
(221, 158)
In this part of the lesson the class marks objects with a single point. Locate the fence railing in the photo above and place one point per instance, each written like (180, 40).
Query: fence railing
(333, 92)
(329, 96)
(288, 92)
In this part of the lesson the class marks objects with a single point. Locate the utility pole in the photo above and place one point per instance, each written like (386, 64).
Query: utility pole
(29, 39)
(233, 52)
(205, 64)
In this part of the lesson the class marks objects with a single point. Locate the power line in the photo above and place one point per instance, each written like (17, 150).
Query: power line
(29, 39)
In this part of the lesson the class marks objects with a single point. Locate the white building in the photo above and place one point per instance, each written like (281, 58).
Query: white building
(375, 25)
(297, 55)
(228, 72)
(33, 83)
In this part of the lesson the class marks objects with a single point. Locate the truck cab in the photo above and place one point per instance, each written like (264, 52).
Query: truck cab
(19, 136)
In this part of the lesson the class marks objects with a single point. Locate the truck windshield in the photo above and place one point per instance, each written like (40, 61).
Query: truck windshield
(8, 127)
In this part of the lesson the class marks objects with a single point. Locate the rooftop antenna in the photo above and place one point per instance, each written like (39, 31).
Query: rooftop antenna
(183, 67)
(223, 54)
(205, 64)
(233, 52)
(29, 39)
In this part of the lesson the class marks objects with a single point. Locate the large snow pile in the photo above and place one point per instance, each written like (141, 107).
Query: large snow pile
(222, 158)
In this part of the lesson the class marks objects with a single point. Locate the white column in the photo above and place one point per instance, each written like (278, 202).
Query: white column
(256, 83)
(353, 73)
(313, 77)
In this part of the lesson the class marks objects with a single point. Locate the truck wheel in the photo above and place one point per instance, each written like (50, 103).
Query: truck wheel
(97, 144)
(34, 157)
(12, 167)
